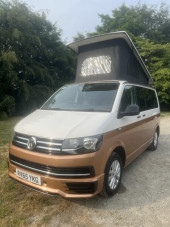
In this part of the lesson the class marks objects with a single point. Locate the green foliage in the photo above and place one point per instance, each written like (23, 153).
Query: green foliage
(3, 116)
(139, 21)
(33, 60)
(156, 58)
(79, 37)
(149, 28)
(8, 105)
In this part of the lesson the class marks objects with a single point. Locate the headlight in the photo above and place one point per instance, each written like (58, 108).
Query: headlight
(82, 145)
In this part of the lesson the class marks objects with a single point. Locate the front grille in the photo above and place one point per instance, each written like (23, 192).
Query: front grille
(82, 187)
(58, 172)
(47, 146)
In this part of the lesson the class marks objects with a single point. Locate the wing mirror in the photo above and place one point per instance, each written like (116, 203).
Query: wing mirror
(131, 110)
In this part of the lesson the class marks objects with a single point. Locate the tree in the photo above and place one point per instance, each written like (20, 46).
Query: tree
(33, 60)
(139, 21)
(79, 37)
(156, 57)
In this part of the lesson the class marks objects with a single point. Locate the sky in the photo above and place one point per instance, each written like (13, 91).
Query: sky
(74, 16)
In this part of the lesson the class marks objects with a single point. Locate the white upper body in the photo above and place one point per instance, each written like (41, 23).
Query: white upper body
(63, 124)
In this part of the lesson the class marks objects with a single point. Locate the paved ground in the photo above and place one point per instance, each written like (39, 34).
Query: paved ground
(143, 199)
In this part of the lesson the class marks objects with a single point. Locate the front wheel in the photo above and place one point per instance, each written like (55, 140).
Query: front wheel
(113, 174)
(154, 143)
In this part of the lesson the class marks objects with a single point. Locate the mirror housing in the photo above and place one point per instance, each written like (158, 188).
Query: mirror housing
(131, 110)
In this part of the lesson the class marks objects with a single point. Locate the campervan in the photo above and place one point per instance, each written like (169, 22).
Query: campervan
(77, 143)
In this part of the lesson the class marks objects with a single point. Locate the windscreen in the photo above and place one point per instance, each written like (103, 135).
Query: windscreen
(97, 97)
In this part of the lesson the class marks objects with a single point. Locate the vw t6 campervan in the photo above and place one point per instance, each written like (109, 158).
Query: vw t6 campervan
(77, 143)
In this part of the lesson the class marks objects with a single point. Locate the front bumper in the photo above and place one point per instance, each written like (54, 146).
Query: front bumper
(65, 186)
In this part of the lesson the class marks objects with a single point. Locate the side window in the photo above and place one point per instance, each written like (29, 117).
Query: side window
(151, 100)
(128, 98)
(146, 98)
(141, 101)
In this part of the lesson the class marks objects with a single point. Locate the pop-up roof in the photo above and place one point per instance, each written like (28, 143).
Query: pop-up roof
(111, 56)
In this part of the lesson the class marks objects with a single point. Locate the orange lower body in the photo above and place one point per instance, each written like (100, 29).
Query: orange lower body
(66, 187)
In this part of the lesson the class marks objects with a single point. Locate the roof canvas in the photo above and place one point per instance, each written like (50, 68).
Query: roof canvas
(80, 46)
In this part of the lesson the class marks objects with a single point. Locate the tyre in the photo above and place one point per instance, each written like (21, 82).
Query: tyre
(113, 174)
(154, 143)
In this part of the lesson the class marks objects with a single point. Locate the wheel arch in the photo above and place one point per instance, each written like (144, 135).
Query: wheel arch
(158, 128)
(121, 152)
(107, 191)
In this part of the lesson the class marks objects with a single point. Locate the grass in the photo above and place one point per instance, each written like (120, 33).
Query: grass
(20, 206)
(165, 114)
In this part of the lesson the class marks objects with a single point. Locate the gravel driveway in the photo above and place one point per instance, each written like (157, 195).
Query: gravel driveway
(143, 198)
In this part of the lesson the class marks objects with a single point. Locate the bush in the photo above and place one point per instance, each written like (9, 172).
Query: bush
(3, 116)
(7, 106)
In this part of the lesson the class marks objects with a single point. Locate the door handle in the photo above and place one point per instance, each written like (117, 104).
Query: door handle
(138, 116)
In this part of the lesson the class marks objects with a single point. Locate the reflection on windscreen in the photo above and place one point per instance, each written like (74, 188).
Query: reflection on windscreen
(83, 97)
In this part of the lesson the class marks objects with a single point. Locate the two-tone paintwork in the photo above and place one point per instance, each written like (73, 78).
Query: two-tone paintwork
(133, 134)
